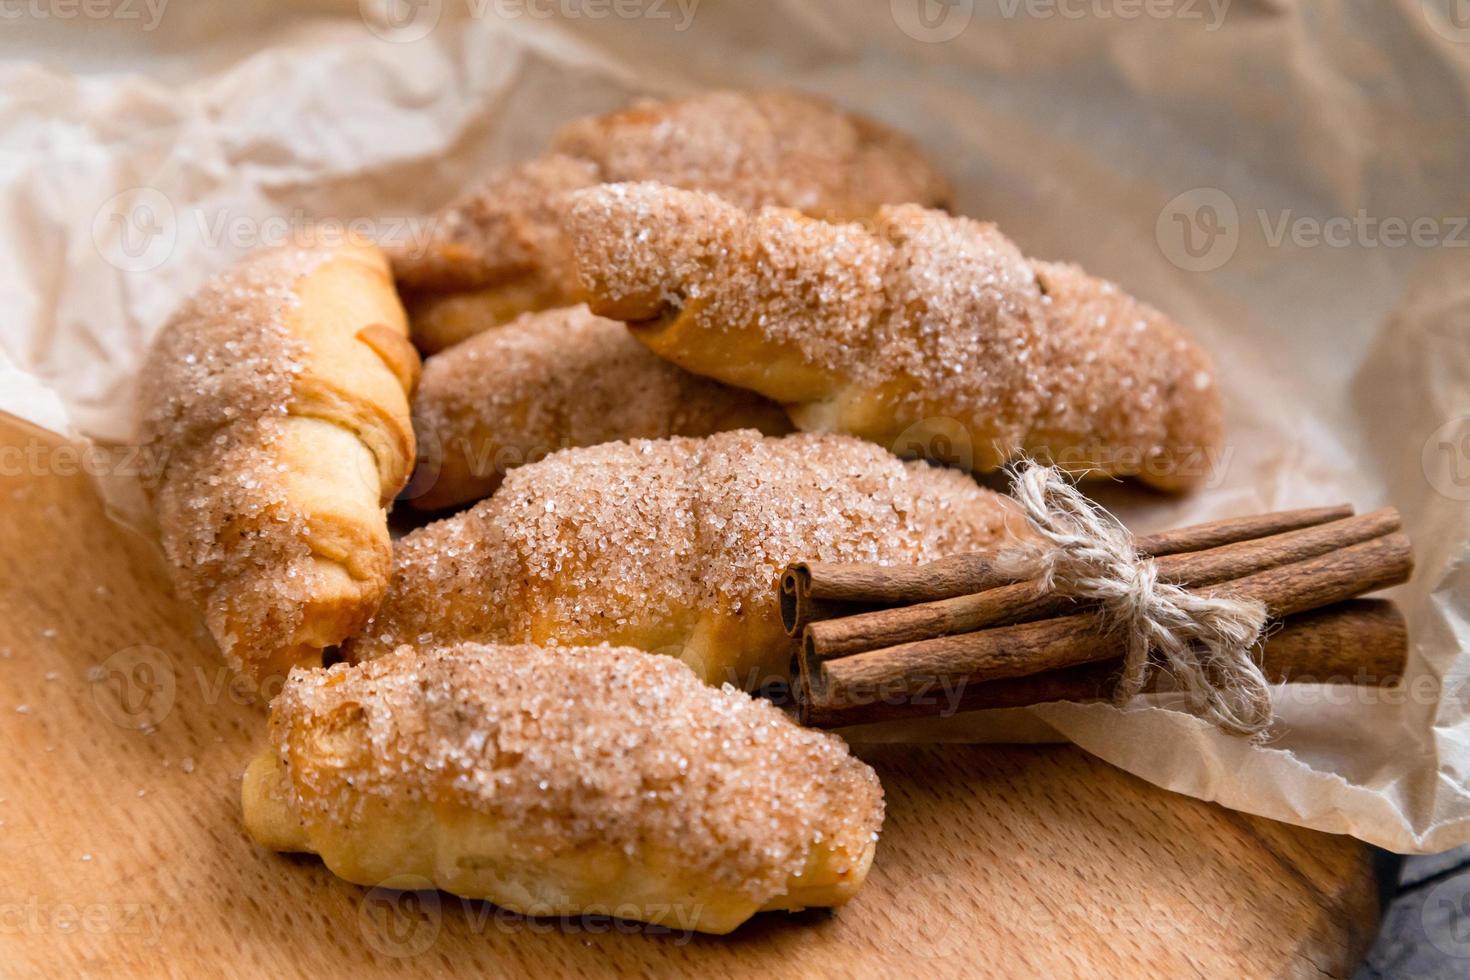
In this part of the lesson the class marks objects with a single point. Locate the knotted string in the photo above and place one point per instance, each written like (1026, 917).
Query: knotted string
(1205, 644)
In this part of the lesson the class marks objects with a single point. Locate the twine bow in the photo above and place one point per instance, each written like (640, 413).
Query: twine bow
(1206, 645)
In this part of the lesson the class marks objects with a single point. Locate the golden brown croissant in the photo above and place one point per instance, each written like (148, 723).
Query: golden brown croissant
(672, 546)
(924, 326)
(499, 251)
(553, 380)
(275, 404)
(554, 782)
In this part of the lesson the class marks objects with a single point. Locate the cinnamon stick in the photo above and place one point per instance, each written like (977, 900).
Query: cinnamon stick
(1198, 537)
(1051, 644)
(1026, 601)
(813, 591)
(1362, 642)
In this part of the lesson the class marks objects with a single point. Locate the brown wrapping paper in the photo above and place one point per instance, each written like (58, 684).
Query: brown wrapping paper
(1286, 178)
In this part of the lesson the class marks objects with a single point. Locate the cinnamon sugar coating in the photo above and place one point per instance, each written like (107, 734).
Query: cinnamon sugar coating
(553, 380)
(499, 251)
(507, 227)
(922, 321)
(566, 752)
(673, 546)
(768, 147)
(274, 410)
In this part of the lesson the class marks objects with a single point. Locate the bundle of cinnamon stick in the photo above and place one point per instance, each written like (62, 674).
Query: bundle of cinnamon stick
(879, 643)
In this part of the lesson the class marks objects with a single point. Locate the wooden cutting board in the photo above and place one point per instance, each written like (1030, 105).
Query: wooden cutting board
(122, 849)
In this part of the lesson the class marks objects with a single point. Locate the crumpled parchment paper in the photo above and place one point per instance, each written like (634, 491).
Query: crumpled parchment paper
(1286, 178)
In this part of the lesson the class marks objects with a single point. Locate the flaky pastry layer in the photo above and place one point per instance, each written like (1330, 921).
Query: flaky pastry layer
(275, 413)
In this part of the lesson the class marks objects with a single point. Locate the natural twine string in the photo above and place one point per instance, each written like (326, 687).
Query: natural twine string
(1207, 645)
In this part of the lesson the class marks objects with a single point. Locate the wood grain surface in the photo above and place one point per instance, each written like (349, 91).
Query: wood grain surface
(123, 853)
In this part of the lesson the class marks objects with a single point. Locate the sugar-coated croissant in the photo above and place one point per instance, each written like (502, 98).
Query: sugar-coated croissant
(275, 407)
(563, 781)
(553, 380)
(916, 328)
(673, 546)
(499, 251)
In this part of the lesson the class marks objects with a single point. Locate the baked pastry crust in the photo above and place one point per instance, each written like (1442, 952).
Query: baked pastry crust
(754, 149)
(499, 252)
(558, 781)
(673, 546)
(494, 254)
(554, 380)
(920, 325)
(275, 407)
